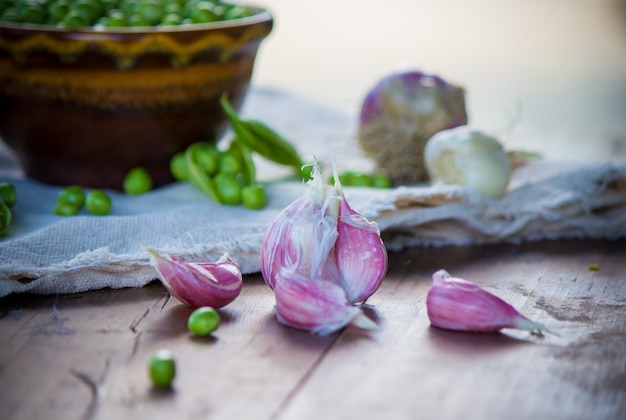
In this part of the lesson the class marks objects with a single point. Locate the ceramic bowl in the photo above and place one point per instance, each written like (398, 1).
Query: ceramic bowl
(86, 106)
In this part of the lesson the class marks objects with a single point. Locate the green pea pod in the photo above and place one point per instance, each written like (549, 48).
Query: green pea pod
(281, 150)
(243, 153)
(5, 218)
(197, 176)
(262, 139)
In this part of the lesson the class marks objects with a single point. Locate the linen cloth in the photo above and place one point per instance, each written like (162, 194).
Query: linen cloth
(48, 254)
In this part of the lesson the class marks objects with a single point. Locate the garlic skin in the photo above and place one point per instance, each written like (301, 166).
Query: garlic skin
(459, 305)
(319, 306)
(470, 158)
(303, 235)
(315, 242)
(359, 251)
(198, 284)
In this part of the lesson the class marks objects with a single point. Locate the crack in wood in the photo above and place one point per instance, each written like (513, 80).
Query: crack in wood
(94, 388)
(167, 300)
(133, 325)
(135, 347)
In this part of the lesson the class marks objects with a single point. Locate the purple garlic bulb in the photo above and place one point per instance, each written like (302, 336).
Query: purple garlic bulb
(400, 114)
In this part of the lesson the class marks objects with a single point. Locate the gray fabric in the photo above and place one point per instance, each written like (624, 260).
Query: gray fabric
(44, 253)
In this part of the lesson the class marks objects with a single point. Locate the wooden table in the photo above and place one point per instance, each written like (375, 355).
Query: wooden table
(84, 356)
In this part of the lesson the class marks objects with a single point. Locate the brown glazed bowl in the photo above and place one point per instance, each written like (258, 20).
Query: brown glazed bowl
(86, 106)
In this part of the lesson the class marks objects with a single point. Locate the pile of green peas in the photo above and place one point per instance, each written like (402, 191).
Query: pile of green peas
(119, 13)
(223, 175)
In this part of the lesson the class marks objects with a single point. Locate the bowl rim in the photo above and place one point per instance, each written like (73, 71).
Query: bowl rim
(261, 15)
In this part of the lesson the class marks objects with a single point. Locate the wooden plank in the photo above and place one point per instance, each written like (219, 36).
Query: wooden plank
(84, 356)
(248, 368)
(409, 370)
(63, 347)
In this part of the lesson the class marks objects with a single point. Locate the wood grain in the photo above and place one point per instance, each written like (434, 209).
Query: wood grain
(84, 356)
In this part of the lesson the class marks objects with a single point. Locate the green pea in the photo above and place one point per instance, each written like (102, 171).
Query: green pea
(7, 194)
(381, 181)
(109, 5)
(229, 164)
(171, 19)
(254, 196)
(98, 203)
(203, 12)
(361, 179)
(115, 19)
(178, 167)
(203, 321)
(137, 181)
(128, 6)
(151, 11)
(137, 20)
(162, 368)
(247, 172)
(5, 218)
(238, 12)
(87, 9)
(64, 208)
(207, 157)
(74, 19)
(74, 195)
(57, 11)
(228, 189)
(174, 8)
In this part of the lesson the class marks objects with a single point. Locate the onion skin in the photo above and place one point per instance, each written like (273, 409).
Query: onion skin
(398, 116)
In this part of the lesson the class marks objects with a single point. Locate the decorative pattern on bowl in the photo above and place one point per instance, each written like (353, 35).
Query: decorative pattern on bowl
(85, 106)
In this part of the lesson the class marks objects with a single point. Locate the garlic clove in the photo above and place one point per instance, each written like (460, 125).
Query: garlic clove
(456, 304)
(303, 234)
(198, 284)
(470, 158)
(359, 251)
(319, 306)
(320, 256)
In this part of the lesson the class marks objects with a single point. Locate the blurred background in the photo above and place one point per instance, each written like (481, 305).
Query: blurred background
(546, 75)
